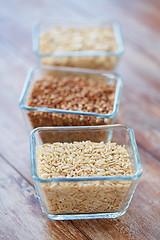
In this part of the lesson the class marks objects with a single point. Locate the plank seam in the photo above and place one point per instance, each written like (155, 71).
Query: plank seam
(81, 230)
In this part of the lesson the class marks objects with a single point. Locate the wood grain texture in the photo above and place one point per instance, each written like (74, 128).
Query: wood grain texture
(13, 134)
(21, 217)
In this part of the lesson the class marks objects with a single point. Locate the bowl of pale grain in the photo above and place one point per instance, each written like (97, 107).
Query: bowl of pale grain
(83, 43)
(84, 178)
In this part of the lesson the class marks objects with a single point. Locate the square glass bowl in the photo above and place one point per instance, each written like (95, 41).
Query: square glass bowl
(92, 59)
(92, 197)
(43, 117)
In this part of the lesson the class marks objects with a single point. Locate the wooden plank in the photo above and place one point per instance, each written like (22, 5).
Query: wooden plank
(13, 134)
(140, 102)
(142, 218)
(139, 68)
(16, 29)
(21, 217)
(145, 10)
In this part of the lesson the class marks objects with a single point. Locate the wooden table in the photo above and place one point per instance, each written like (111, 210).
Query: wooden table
(20, 213)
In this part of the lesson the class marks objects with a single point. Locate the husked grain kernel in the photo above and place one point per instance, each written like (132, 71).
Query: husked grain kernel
(108, 158)
(83, 159)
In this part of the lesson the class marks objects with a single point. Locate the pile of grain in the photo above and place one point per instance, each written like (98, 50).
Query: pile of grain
(79, 39)
(70, 93)
(83, 159)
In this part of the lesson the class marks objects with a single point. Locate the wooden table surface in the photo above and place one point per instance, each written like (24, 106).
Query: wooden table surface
(20, 213)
